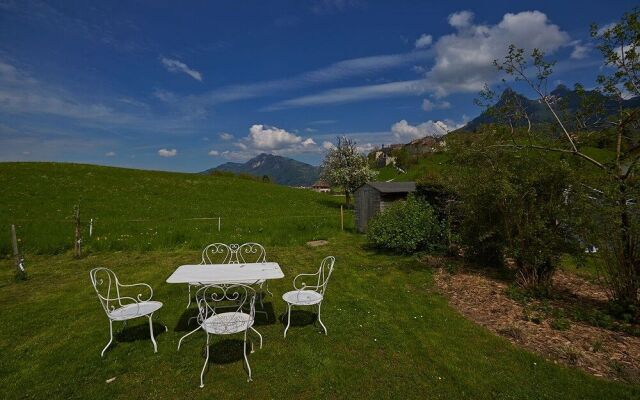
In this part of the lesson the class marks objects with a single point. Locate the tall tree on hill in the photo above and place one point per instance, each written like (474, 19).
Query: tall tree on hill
(344, 166)
(613, 188)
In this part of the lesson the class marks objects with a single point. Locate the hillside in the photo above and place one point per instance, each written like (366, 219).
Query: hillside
(135, 209)
(281, 170)
(567, 101)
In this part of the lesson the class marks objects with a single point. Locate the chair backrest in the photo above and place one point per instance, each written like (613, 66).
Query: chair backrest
(232, 298)
(218, 253)
(105, 283)
(324, 273)
(251, 253)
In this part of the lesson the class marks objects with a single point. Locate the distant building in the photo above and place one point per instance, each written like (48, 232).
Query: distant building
(321, 186)
(373, 197)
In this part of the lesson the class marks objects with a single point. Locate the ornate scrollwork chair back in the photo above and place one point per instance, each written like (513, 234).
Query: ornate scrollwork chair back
(123, 308)
(234, 299)
(217, 253)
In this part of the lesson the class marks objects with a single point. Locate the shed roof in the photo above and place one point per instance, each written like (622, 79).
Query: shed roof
(393, 187)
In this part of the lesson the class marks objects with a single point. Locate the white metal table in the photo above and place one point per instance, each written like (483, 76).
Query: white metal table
(246, 273)
(226, 273)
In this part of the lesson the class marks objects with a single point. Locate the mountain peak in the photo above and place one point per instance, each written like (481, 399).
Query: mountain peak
(560, 90)
(282, 170)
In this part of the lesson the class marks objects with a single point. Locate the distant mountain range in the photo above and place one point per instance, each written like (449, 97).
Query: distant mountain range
(539, 113)
(282, 170)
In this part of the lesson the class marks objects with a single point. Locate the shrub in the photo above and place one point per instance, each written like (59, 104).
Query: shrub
(405, 227)
(518, 205)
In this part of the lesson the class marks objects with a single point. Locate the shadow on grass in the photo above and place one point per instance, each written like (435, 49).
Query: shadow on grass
(139, 332)
(299, 318)
(227, 351)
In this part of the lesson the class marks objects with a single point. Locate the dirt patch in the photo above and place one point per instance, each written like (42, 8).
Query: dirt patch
(317, 243)
(598, 351)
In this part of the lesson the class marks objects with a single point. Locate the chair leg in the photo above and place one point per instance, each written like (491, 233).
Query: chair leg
(319, 320)
(206, 361)
(253, 329)
(266, 286)
(288, 319)
(246, 360)
(184, 336)
(110, 338)
(153, 339)
(189, 303)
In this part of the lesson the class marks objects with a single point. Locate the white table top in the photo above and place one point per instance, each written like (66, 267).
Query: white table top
(226, 273)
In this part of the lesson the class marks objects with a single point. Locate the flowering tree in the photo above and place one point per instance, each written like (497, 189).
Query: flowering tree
(344, 166)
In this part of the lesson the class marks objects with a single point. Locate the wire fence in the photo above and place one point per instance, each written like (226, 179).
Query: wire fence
(53, 236)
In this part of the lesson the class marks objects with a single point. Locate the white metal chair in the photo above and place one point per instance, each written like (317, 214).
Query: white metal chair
(119, 307)
(214, 253)
(309, 295)
(220, 253)
(253, 253)
(236, 321)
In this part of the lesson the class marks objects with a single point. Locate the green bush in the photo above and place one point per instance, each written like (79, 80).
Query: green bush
(405, 227)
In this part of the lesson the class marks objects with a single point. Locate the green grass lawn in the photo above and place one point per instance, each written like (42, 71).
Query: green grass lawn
(428, 163)
(390, 334)
(150, 210)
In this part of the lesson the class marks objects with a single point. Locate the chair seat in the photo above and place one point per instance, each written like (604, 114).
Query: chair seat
(302, 297)
(227, 323)
(135, 310)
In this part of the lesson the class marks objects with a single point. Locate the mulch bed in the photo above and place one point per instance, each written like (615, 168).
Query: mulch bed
(598, 351)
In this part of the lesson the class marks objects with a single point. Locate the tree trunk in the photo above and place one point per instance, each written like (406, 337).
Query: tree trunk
(629, 280)
(347, 197)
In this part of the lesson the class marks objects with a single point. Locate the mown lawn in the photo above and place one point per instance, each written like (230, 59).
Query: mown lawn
(390, 336)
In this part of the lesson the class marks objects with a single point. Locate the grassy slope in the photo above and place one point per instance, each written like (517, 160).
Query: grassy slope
(147, 210)
(390, 335)
(429, 163)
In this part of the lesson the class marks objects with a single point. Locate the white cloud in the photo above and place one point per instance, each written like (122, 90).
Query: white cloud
(110, 154)
(579, 51)
(225, 136)
(214, 153)
(178, 66)
(365, 148)
(167, 152)
(270, 139)
(424, 41)
(428, 105)
(328, 145)
(340, 70)
(350, 94)
(402, 130)
(264, 137)
(461, 19)
(463, 60)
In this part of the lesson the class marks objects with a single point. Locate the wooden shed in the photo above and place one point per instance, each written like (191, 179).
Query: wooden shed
(373, 197)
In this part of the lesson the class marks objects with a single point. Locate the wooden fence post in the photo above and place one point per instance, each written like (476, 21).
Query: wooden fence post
(77, 249)
(218, 224)
(341, 218)
(19, 261)
(91, 227)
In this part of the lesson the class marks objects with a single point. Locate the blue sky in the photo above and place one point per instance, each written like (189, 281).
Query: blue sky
(185, 86)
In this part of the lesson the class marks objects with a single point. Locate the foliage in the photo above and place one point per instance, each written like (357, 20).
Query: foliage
(612, 187)
(344, 166)
(405, 227)
(514, 204)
